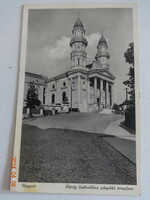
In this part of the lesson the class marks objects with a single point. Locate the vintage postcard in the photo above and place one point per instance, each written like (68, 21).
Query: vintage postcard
(77, 120)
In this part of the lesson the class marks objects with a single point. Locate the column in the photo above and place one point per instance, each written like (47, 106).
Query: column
(112, 95)
(69, 91)
(95, 89)
(79, 86)
(87, 92)
(101, 90)
(106, 96)
(88, 89)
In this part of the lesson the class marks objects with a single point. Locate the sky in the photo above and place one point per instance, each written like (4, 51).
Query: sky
(50, 31)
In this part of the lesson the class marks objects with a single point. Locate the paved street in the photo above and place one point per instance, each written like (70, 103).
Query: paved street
(87, 122)
(110, 125)
(58, 156)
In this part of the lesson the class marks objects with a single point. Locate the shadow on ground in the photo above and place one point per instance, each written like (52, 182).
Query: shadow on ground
(122, 125)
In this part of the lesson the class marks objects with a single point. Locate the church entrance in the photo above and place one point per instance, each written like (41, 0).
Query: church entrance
(98, 102)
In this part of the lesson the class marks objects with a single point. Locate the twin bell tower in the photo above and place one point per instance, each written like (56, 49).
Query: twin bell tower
(78, 45)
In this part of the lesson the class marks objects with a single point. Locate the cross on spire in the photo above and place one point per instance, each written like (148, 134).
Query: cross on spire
(78, 13)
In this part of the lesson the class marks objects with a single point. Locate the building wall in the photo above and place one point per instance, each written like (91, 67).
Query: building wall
(57, 87)
(77, 88)
(73, 87)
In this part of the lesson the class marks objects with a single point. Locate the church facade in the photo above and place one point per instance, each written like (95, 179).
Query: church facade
(85, 87)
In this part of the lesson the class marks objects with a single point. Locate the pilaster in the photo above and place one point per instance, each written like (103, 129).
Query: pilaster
(95, 89)
(79, 88)
(106, 96)
(69, 91)
(112, 95)
(101, 90)
(88, 92)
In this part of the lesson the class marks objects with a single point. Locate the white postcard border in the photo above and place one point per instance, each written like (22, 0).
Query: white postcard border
(62, 187)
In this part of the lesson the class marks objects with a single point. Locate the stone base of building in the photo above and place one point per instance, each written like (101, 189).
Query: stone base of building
(108, 106)
(93, 107)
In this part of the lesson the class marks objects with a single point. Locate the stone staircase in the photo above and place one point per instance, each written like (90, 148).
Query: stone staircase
(99, 110)
(106, 111)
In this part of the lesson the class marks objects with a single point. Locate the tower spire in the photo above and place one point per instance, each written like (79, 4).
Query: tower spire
(78, 13)
(78, 45)
(102, 55)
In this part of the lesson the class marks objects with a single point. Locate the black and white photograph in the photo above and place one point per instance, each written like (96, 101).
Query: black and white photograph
(77, 125)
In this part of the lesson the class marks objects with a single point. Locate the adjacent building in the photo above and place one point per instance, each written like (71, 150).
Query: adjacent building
(40, 83)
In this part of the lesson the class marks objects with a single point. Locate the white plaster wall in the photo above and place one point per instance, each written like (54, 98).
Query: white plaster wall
(58, 91)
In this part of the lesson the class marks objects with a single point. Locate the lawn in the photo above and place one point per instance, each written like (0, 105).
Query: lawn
(67, 156)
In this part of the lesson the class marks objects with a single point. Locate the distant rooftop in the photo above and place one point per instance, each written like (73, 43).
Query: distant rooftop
(35, 75)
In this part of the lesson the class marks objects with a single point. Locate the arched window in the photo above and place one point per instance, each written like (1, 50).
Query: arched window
(53, 86)
(64, 83)
(53, 98)
(64, 97)
(78, 61)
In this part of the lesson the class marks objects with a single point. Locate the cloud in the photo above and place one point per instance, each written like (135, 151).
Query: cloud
(93, 39)
(56, 59)
(60, 50)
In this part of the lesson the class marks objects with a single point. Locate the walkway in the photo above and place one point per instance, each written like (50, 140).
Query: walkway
(124, 141)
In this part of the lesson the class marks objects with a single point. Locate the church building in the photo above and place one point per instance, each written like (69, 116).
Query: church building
(87, 88)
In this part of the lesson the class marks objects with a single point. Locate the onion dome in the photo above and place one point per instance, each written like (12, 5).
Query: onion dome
(102, 41)
(78, 24)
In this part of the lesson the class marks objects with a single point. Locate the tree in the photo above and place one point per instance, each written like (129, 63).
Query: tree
(130, 83)
(32, 100)
(116, 107)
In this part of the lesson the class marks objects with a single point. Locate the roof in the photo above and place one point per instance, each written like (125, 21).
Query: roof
(102, 54)
(102, 41)
(35, 75)
(63, 75)
(79, 39)
(104, 72)
(78, 24)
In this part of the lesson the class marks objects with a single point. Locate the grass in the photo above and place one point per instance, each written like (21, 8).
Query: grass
(66, 156)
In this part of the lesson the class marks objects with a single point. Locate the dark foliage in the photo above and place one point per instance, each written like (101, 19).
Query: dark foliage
(130, 83)
(32, 100)
(116, 106)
